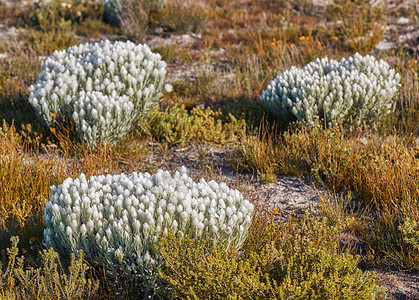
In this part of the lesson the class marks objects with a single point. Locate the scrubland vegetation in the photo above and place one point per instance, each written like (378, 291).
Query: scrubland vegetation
(246, 44)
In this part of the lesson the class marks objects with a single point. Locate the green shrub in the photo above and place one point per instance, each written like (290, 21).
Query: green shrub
(49, 281)
(410, 232)
(181, 16)
(46, 42)
(300, 259)
(176, 126)
(311, 264)
(194, 269)
(52, 15)
(393, 239)
(114, 9)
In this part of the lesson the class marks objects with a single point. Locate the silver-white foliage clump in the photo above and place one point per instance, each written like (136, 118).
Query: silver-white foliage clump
(359, 88)
(113, 218)
(103, 87)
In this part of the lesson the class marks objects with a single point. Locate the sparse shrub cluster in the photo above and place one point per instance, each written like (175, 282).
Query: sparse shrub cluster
(299, 260)
(53, 24)
(182, 16)
(114, 218)
(115, 8)
(133, 17)
(359, 89)
(102, 87)
(258, 155)
(19, 281)
(359, 25)
(382, 172)
(393, 239)
(196, 269)
(177, 126)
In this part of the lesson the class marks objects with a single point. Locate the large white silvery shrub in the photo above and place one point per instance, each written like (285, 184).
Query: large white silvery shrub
(103, 87)
(356, 89)
(113, 218)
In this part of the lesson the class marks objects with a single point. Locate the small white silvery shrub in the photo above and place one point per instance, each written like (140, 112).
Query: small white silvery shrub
(113, 218)
(357, 89)
(102, 87)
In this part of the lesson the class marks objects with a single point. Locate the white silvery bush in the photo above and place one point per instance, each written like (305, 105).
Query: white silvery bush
(358, 89)
(113, 218)
(103, 87)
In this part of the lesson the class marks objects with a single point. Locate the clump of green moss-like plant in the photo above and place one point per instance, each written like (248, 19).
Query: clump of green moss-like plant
(17, 281)
(298, 260)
